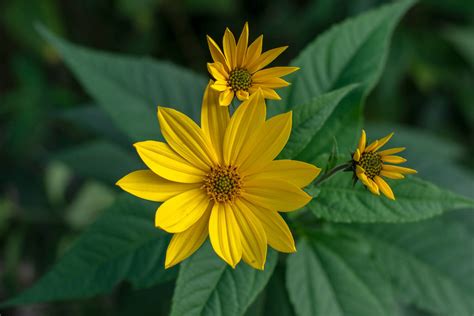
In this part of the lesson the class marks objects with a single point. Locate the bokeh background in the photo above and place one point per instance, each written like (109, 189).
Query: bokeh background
(52, 181)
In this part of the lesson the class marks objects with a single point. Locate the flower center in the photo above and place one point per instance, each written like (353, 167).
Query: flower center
(239, 79)
(372, 164)
(223, 183)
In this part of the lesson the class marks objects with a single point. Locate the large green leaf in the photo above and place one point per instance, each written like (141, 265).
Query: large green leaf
(338, 200)
(430, 263)
(208, 286)
(351, 52)
(308, 119)
(123, 245)
(129, 89)
(333, 275)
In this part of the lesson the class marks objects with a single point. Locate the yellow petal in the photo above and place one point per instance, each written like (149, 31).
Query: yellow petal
(393, 159)
(165, 162)
(225, 98)
(372, 186)
(362, 142)
(363, 178)
(382, 142)
(230, 49)
(247, 119)
(265, 59)
(391, 151)
(186, 138)
(391, 174)
(399, 169)
(297, 172)
(372, 146)
(242, 45)
(217, 71)
(224, 234)
(253, 51)
(181, 211)
(220, 86)
(184, 244)
(242, 95)
(214, 120)
(278, 234)
(254, 239)
(216, 52)
(356, 155)
(268, 143)
(275, 194)
(271, 83)
(147, 185)
(269, 93)
(384, 187)
(273, 72)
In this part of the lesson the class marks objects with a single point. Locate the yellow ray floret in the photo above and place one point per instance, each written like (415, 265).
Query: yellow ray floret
(221, 180)
(370, 165)
(238, 68)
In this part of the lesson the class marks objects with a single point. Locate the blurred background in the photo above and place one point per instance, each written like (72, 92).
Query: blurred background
(52, 181)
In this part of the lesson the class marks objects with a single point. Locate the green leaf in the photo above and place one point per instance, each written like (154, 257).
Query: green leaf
(208, 286)
(430, 263)
(308, 119)
(129, 89)
(351, 52)
(100, 160)
(339, 201)
(123, 245)
(330, 275)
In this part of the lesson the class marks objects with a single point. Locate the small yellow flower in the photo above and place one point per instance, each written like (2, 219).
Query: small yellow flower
(370, 165)
(238, 70)
(221, 180)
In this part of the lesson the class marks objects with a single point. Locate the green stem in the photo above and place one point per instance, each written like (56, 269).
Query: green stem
(332, 172)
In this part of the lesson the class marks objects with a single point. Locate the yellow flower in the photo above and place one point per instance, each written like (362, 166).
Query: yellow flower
(238, 70)
(222, 180)
(370, 165)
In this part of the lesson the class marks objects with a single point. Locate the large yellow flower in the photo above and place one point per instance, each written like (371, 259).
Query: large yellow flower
(222, 180)
(370, 165)
(238, 70)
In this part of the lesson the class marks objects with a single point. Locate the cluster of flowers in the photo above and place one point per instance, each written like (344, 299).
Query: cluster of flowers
(221, 180)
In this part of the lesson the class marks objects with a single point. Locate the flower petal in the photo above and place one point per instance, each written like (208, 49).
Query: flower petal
(246, 120)
(384, 187)
(241, 49)
(186, 138)
(391, 151)
(362, 142)
(265, 59)
(268, 143)
(372, 146)
(230, 49)
(356, 155)
(224, 234)
(181, 211)
(147, 185)
(274, 194)
(217, 71)
(220, 86)
(225, 98)
(165, 162)
(272, 72)
(253, 51)
(214, 120)
(372, 186)
(278, 233)
(393, 159)
(272, 83)
(382, 141)
(269, 93)
(297, 172)
(216, 52)
(391, 174)
(398, 169)
(242, 95)
(254, 239)
(184, 244)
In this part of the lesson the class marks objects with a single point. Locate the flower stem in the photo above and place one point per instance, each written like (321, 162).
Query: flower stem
(329, 174)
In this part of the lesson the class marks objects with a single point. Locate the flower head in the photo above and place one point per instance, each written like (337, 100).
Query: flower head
(238, 69)
(221, 180)
(370, 165)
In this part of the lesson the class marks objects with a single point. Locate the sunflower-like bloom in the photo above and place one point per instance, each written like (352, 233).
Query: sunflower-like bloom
(370, 165)
(238, 70)
(222, 180)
